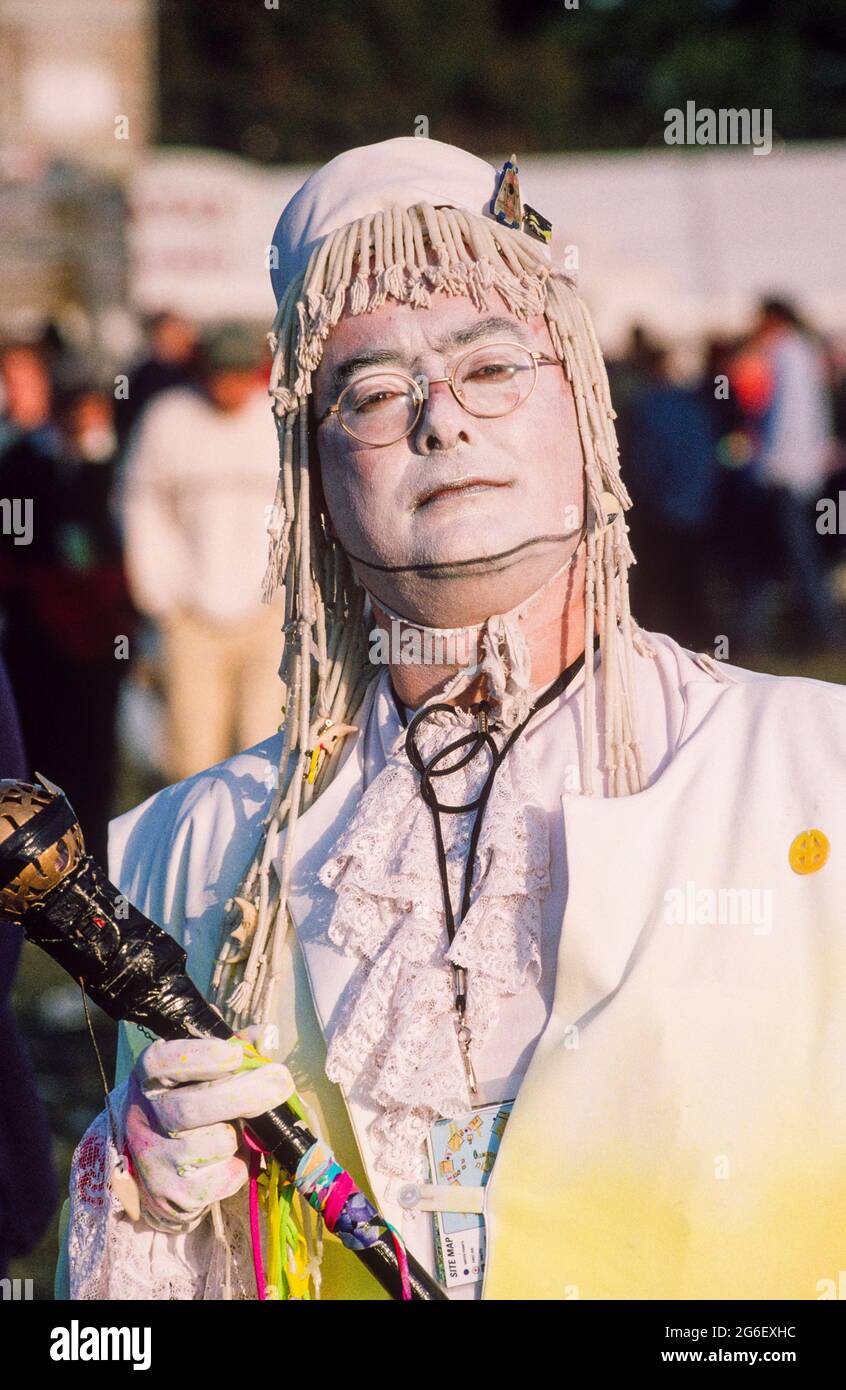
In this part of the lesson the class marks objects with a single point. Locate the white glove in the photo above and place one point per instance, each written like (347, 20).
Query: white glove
(185, 1155)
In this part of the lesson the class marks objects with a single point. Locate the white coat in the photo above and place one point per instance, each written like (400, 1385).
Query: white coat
(681, 1129)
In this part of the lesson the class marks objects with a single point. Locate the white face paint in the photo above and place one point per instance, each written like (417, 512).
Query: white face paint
(524, 470)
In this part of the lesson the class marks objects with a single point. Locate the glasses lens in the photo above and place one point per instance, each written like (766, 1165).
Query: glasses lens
(492, 380)
(378, 409)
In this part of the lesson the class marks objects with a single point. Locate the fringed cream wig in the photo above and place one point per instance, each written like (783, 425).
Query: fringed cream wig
(408, 255)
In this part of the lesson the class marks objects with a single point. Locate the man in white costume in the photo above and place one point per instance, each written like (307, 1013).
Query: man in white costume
(648, 954)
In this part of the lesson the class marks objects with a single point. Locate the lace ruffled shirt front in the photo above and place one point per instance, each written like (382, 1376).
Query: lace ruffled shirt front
(396, 1040)
(393, 1044)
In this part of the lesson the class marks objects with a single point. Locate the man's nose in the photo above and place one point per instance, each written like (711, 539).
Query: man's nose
(443, 422)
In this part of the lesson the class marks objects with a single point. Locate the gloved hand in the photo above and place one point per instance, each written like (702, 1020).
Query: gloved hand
(184, 1154)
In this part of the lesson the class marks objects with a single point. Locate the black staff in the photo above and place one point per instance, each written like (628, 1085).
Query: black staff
(136, 972)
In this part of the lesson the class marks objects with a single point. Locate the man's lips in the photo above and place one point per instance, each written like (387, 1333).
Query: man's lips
(457, 486)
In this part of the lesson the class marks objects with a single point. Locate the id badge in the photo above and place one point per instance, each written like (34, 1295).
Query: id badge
(462, 1152)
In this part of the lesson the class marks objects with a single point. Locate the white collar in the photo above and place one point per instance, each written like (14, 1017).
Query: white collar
(505, 660)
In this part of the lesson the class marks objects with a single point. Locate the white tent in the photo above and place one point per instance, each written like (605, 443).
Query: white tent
(680, 240)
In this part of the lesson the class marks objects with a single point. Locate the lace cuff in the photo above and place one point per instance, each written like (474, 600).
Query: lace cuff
(110, 1256)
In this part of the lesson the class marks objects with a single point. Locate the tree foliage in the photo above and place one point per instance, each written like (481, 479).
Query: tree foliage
(292, 81)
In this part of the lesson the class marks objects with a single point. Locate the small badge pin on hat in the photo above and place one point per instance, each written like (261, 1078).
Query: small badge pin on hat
(536, 225)
(506, 206)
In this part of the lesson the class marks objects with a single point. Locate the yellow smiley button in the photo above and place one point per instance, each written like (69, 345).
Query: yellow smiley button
(808, 852)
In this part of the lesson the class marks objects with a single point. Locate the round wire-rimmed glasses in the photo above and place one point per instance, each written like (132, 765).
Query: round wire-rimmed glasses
(489, 381)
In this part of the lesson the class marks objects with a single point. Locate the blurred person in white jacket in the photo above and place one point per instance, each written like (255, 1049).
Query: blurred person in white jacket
(198, 485)
(797, 452)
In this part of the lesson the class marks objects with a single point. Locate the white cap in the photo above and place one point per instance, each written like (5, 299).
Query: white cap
(393, 173)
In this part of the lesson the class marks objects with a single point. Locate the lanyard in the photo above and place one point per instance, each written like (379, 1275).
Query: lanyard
(477, 740)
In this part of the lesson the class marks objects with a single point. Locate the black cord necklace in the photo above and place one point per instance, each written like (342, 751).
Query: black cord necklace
(479, 739)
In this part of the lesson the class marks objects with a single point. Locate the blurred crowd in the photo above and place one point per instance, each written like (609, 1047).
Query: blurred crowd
(132, 559)
(734, 548)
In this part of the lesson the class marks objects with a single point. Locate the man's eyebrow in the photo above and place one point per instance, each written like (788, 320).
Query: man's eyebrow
(393, 357)
(463, 337)
(374, 357)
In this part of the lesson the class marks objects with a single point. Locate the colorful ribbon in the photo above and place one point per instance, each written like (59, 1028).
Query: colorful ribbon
(329, 1190)
(346, 1212)
(285, 1272)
